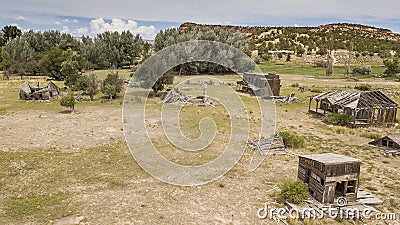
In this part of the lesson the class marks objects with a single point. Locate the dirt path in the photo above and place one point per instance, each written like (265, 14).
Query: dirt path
(36, 129)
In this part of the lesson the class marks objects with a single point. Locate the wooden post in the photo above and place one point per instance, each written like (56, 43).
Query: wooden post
(329, 62)
(346, 74)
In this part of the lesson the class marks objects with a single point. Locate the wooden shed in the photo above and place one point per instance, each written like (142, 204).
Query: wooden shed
(370, 108)
(387, 142)
(257, 84)
(329, 176)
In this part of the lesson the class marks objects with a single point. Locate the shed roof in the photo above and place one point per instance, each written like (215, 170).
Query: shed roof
(366, 99)
(395, 139)
(331, 158)
(26, 88)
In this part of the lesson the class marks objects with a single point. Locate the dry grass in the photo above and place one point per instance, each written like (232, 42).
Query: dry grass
(104, 184)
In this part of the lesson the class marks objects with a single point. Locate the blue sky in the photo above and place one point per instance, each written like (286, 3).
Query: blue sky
(148, 17)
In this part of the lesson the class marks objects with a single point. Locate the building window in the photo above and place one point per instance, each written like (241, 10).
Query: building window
(351, 186)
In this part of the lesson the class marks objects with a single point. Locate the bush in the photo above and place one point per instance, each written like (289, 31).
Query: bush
(112, 85)
(393, 66)
(293, 191)
(292, 140)
(295, 85)
(316, 90)
(371, 135)
(320, 63)
(339, 119)
(68, 100)
(365, 70)
(363, 87)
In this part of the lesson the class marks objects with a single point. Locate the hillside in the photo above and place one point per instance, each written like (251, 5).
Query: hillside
(367, 41)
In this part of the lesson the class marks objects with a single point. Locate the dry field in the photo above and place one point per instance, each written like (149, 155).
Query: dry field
(60, 168)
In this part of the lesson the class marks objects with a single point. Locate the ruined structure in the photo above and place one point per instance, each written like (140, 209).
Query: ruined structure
(174, 96)
(266, 146)
(257, 84)
(371, 108)
(391, 144)
(329, 176)
(28, 92)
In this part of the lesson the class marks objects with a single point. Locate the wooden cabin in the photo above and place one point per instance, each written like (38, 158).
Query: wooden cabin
(329, 176)
(28, 92)
(370, 108)
(257, 84)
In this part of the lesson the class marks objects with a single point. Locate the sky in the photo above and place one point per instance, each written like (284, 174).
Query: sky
(89, 17)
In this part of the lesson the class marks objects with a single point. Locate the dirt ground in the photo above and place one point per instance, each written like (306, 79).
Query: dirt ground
(60, 168)
(39, 129)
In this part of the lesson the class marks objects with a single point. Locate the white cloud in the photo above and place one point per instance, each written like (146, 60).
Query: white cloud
(57, 23)
(100, 26)
(70, 21)
(82, 30)
(65, 29)
(21, 18)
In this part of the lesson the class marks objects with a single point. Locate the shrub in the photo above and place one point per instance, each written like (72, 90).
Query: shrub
(371, 135)
(340, 130)
(293, 191)
(339, 119)
(363, 87)
(292, 140)
(295, 85)
(365, 70)
(320, 63)
(68, 100)
(112, 85)
(316, 90)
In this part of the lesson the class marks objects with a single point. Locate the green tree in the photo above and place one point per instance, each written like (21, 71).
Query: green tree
(20, 54)
(68, 100)
(70, 70)
(51, 63)
(392, 66)
(294, 192)
(322, 51)
(300, 50)
(167, 78)
(228, 36)
(9, 33)
(112, 85)
(89, 84)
